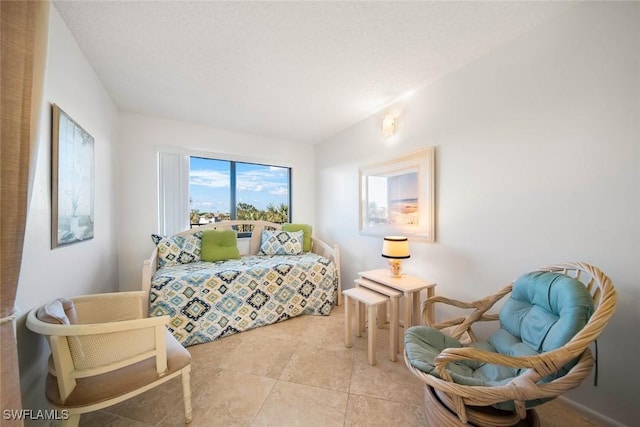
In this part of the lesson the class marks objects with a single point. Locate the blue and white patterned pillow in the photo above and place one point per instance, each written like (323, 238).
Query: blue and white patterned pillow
(177, 249)
(275, 242)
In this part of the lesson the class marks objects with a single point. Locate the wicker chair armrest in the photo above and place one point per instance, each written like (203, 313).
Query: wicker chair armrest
(454, 321)
(543, 364)
(82, 350)
(440, 299)
(461, 327)
(51, 329)
(480, 306)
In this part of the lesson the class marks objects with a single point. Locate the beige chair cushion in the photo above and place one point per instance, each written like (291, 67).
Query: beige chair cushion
(110, 385)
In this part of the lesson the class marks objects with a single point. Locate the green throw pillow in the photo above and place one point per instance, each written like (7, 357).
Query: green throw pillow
(219, 245)
(306, 230)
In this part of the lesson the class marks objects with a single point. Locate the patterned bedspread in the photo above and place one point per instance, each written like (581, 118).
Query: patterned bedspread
(210, 300)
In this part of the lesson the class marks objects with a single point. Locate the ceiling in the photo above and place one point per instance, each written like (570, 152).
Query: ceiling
(298, 71)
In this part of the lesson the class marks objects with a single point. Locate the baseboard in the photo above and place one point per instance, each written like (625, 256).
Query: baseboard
(591, 414)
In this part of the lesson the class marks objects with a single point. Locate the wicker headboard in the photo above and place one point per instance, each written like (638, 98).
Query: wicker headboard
(254, 228)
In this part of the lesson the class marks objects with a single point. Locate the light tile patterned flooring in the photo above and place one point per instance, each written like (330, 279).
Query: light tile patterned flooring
(293, 373)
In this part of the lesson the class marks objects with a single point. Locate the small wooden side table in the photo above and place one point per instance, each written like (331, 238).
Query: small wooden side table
(364, 298)
(394, 295)
(411, 287)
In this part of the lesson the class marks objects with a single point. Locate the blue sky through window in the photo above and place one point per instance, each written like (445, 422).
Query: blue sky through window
(209, 185)
(258, 185)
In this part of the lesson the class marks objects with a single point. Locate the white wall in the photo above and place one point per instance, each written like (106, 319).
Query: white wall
(538, 161)
(82, 268)
(140, 138)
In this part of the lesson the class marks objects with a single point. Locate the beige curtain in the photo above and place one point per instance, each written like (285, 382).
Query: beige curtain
(22, 69)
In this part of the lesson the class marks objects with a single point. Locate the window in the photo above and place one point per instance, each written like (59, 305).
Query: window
(222, 189)
(197, 190)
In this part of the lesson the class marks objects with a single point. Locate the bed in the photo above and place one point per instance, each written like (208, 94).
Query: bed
(210, 300)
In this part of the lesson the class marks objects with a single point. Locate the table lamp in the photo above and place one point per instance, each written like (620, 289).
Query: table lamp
(395, 248)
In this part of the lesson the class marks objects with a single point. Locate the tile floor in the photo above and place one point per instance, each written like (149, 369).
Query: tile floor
(294, 373)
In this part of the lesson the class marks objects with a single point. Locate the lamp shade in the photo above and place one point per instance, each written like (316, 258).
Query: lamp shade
(395, 247)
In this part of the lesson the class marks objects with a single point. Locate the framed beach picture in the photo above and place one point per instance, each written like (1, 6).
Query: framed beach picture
(72, 187)
(397, 197)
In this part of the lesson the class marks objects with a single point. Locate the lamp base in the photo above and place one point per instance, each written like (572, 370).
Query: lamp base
(395, 268)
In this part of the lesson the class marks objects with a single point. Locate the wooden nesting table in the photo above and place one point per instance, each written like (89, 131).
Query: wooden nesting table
(411, 287)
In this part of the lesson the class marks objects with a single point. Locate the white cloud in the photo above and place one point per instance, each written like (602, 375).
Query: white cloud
(261, 180)
(209, 178)
(279, 191)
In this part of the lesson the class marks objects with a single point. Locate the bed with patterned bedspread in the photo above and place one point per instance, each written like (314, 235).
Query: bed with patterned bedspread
(208, 300)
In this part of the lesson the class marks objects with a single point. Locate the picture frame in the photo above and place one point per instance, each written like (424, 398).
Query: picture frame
(72, 181)
(397, 197)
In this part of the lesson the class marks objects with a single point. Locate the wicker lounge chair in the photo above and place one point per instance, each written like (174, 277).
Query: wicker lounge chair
(103, 351)
(540, 351)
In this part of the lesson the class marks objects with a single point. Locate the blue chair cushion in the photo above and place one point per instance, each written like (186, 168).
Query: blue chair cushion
(544, 311)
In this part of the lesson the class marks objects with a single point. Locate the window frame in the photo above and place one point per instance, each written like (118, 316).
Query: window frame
(169, 219)
(168, 223)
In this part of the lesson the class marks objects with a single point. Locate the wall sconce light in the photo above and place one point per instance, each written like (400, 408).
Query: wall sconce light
(395, 248)
(389, 125)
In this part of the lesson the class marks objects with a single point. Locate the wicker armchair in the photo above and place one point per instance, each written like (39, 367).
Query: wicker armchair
(539, 377)
(103, 351)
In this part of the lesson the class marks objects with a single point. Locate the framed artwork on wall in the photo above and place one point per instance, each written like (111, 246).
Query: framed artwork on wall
(72, 187)
(397, 197)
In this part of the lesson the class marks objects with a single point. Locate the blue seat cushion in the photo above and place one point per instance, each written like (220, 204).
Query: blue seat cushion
(423, 344)
(544, 311)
